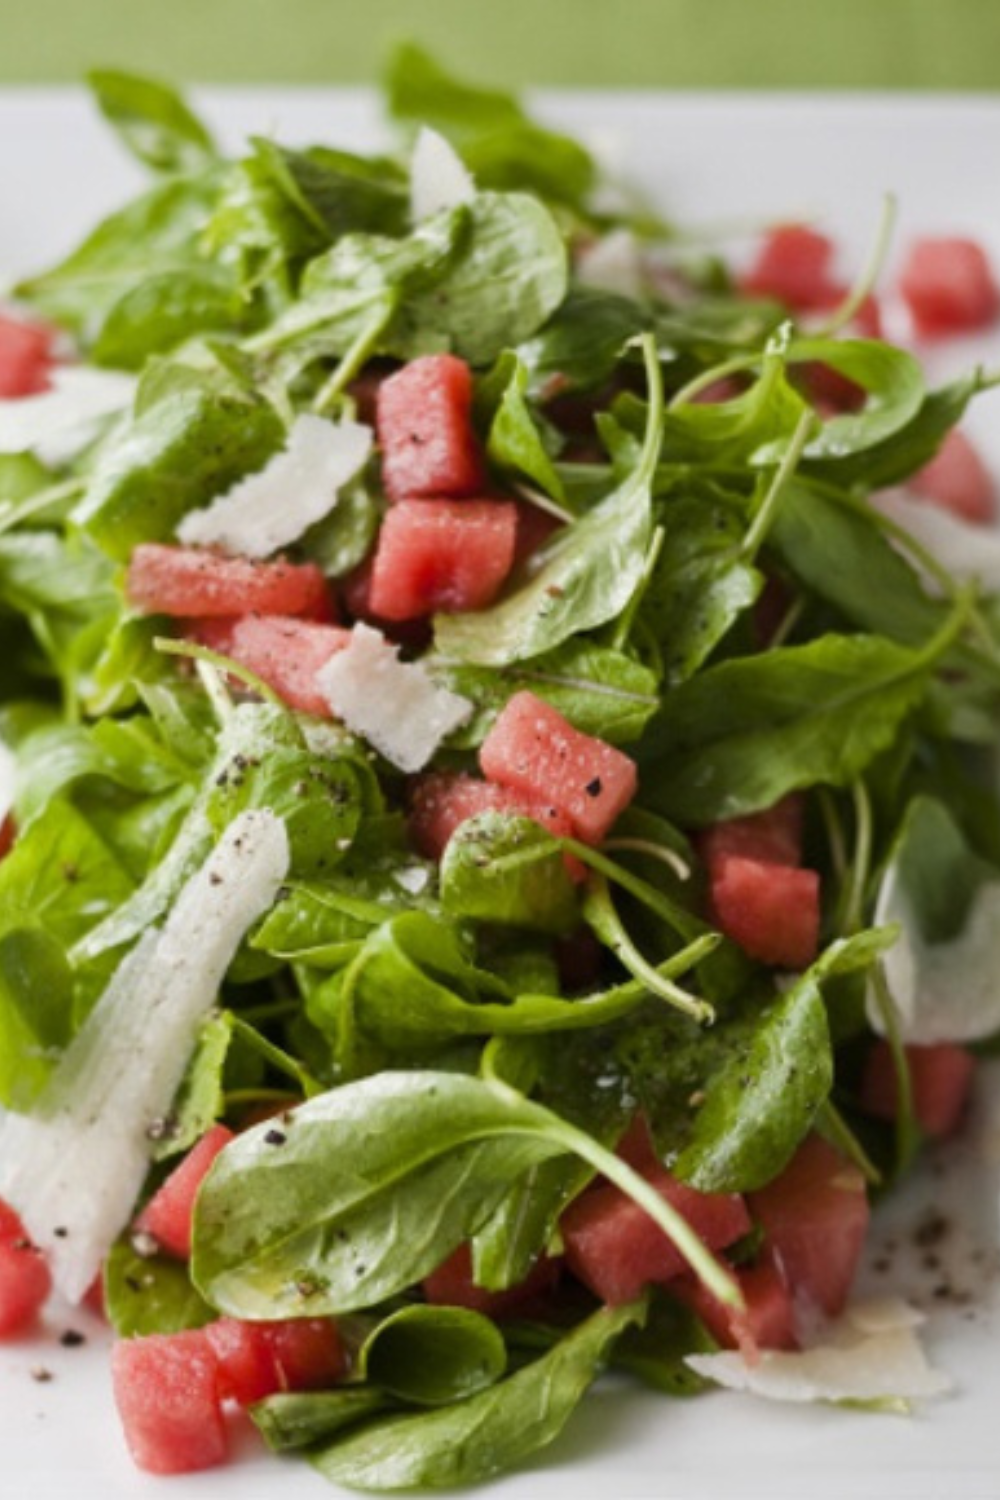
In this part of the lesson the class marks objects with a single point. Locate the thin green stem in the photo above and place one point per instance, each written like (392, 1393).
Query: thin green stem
(738, 365)
(230, 668)
(860, 869)
(870, 272)
(666, 856)
(768, 508)
(837, 1131)
(356, 357)
(35, 504)
(626, 619)
(907, 1132)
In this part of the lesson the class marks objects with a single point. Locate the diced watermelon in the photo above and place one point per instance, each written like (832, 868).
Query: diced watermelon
(534, 750)
(772, 911)
(189, 582)
(166, 1388)
(7, 835)
(452, 1285)
(25, 357)
(25, 1281)
(534, 527)
(773, 836)
(815, 1217)
(441, 801)
(940, 1077)
(284, 652)
(169, 1214)
(615, 1248)
(424, 426)
(957, 479)
(258, 1359)
(949, 286)
(445, 555)
(767, 1320)
(792, 264)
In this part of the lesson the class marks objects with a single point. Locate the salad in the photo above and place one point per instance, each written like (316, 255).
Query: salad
(500, 718)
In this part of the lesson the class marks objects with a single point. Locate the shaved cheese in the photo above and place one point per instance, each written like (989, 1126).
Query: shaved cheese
(613, 264)
(396, 706)
(58, 422)
(871, 1354)
(74, 1167)
(298, 487)
(439, 178)
(966, 550)
(941, 992)
(8, 770)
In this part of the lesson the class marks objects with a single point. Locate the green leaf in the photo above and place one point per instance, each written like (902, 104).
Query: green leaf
(499, 142)
(510, 871)
(602, 691)
(891, 378)
(741, 734)
(36, 1012)
(582, 577)
(153, 235)
(303, 1419)
(472, 1440)
(146, 1294)
(153, 121)
(514, 441)
(429, 1356)
(192, 437)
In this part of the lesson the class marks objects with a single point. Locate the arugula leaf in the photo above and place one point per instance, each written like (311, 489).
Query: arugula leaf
(153, 121)
(582, 577)
(194, 434)
(508, 870)
(430, 1356)
(154, 235)
(498, 141)
(472, 1440)
(146, 1294)
(741, 734)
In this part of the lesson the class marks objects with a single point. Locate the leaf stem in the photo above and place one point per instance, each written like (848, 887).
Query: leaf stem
(609, 927)
(225, 664)
(907, 1132)
(768, 508)
(356, 357)
(870, 272)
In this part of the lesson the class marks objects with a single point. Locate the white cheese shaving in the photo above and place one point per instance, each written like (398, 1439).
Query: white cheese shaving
(60, 421)
(941, 992)
(300, 485)
(8, 774)
(396, 706)
(613, 264)
(74, 1167)
(439, 178)
(966, 550)
(870, 1354)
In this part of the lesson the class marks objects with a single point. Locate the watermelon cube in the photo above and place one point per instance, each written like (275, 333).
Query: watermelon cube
(949, 286)
(166, 1388)
(532, 749)
(940, 1077)
(189, 582)
(793, 265)
(773, 836)
(257, 1360)
(616, 1249)
(169, 1215)
(772, 911)
(424, 427)
(815, 1218)
(284, 652)
(451, 1285)
(445, 555)
(766, 1320)
(25, 1281)
(957, 479)
(25, 357)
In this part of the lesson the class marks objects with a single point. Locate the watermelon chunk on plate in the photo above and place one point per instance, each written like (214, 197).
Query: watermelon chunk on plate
(188, 582)
(166, 1388)
(169, 1214)
(423, 421)
(448, 555)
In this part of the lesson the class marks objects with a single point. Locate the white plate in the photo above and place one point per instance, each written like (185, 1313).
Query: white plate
(715, 162)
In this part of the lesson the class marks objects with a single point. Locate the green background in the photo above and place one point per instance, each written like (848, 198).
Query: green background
(924, 44)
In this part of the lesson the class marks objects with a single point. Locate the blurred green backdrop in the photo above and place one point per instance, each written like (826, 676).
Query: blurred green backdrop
(930, 44)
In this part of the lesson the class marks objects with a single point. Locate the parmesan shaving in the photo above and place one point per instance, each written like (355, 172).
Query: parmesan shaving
(941, 992)
(438, 177)
(613, 264)
(396, 706)
(58, 422)
(74, 1167)
(871, 1354)
(299, 486)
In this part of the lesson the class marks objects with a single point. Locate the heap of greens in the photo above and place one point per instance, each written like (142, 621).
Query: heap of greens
(421, 1011)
